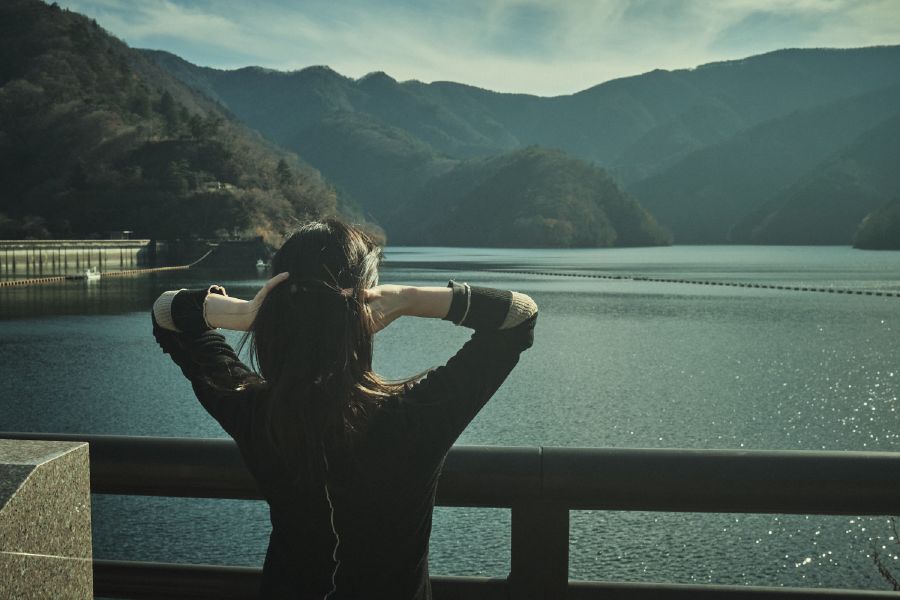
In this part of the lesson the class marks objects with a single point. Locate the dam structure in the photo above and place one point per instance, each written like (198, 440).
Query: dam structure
(26, 262)
(30, 259)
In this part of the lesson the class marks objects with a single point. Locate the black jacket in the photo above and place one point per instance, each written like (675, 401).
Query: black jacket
(380, 498)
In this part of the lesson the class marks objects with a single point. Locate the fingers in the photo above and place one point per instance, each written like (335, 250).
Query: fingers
(271, 283)
(265, 289)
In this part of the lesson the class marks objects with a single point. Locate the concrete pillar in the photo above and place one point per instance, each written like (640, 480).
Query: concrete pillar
(45, 520)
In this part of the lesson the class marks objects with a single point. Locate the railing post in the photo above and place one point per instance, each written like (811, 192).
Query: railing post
(539, 568)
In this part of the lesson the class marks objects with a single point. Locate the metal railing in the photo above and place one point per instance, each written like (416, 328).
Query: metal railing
(539, 485)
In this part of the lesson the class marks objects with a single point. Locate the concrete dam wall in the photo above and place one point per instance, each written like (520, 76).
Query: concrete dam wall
(34, 259)
(23, 259)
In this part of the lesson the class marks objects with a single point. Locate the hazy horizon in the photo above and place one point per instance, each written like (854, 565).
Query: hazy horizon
(361, 77)
(511, 46)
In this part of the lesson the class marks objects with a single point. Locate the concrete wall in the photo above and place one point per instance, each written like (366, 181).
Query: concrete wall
(45, 521)
(22, 259)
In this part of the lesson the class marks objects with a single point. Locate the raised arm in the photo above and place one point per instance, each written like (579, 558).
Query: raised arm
(442, 405)
(184, 323)
(388, 302)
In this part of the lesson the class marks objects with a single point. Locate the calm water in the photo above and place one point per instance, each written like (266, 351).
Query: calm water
(615, 363)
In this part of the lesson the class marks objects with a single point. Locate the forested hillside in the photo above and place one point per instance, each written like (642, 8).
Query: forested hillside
(93, 138)
(401, 157)
(380, 165)
(532, 198)
(793, 146)
(702, 148)
(636, 125)
(835, 196)
(708, 196)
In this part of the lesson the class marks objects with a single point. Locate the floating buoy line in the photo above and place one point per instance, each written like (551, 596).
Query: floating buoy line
(738, 284)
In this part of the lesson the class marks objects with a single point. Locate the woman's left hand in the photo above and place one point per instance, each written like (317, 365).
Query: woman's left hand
(257, 301)
(386, 303)
(236, 314)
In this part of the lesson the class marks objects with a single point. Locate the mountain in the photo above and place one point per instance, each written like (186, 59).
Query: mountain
(372, 161)
(634, 125)
(283, 105)
(403, 175)
(94, 138)
(701, 148)
(733, 96)
(827, 205)
(704, 196)
(528, 198)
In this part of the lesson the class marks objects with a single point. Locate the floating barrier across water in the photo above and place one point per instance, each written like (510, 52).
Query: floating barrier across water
(37, 280)
(65, 278)
(743, 284)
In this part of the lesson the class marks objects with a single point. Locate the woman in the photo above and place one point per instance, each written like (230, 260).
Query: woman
(347, 461)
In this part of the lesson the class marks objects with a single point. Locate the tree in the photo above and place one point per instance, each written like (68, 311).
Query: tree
(139, 103)
(176, 177)
(283, 174)
(168, 108)
(211, 125)
(197, 127)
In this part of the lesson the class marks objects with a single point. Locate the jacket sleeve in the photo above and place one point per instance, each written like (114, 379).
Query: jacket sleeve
(222, 383)
(441, 405)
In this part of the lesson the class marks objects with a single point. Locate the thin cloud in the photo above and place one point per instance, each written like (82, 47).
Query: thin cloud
(529, 46)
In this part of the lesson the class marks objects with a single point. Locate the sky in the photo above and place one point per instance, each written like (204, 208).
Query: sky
(548, 48)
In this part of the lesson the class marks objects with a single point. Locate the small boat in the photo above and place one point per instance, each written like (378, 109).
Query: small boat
(92, 274)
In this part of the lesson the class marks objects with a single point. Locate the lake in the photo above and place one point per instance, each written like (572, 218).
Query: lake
(616, 363)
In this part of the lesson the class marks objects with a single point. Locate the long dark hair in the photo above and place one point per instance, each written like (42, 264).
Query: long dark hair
(312, 339)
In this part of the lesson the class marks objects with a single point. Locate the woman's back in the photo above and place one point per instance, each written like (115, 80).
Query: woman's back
(380, 499)
(351, 513)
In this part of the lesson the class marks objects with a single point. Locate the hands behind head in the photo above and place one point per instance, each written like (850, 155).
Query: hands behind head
(223, 311)
(386, 303)
(253, 305)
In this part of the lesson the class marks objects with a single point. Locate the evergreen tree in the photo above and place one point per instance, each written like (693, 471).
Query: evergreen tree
(283, 174)
(168, 108)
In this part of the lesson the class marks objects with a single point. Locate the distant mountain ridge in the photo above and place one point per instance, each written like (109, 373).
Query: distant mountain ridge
(667, 135)
(709, 195)
(619, 124)
(793, 146)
